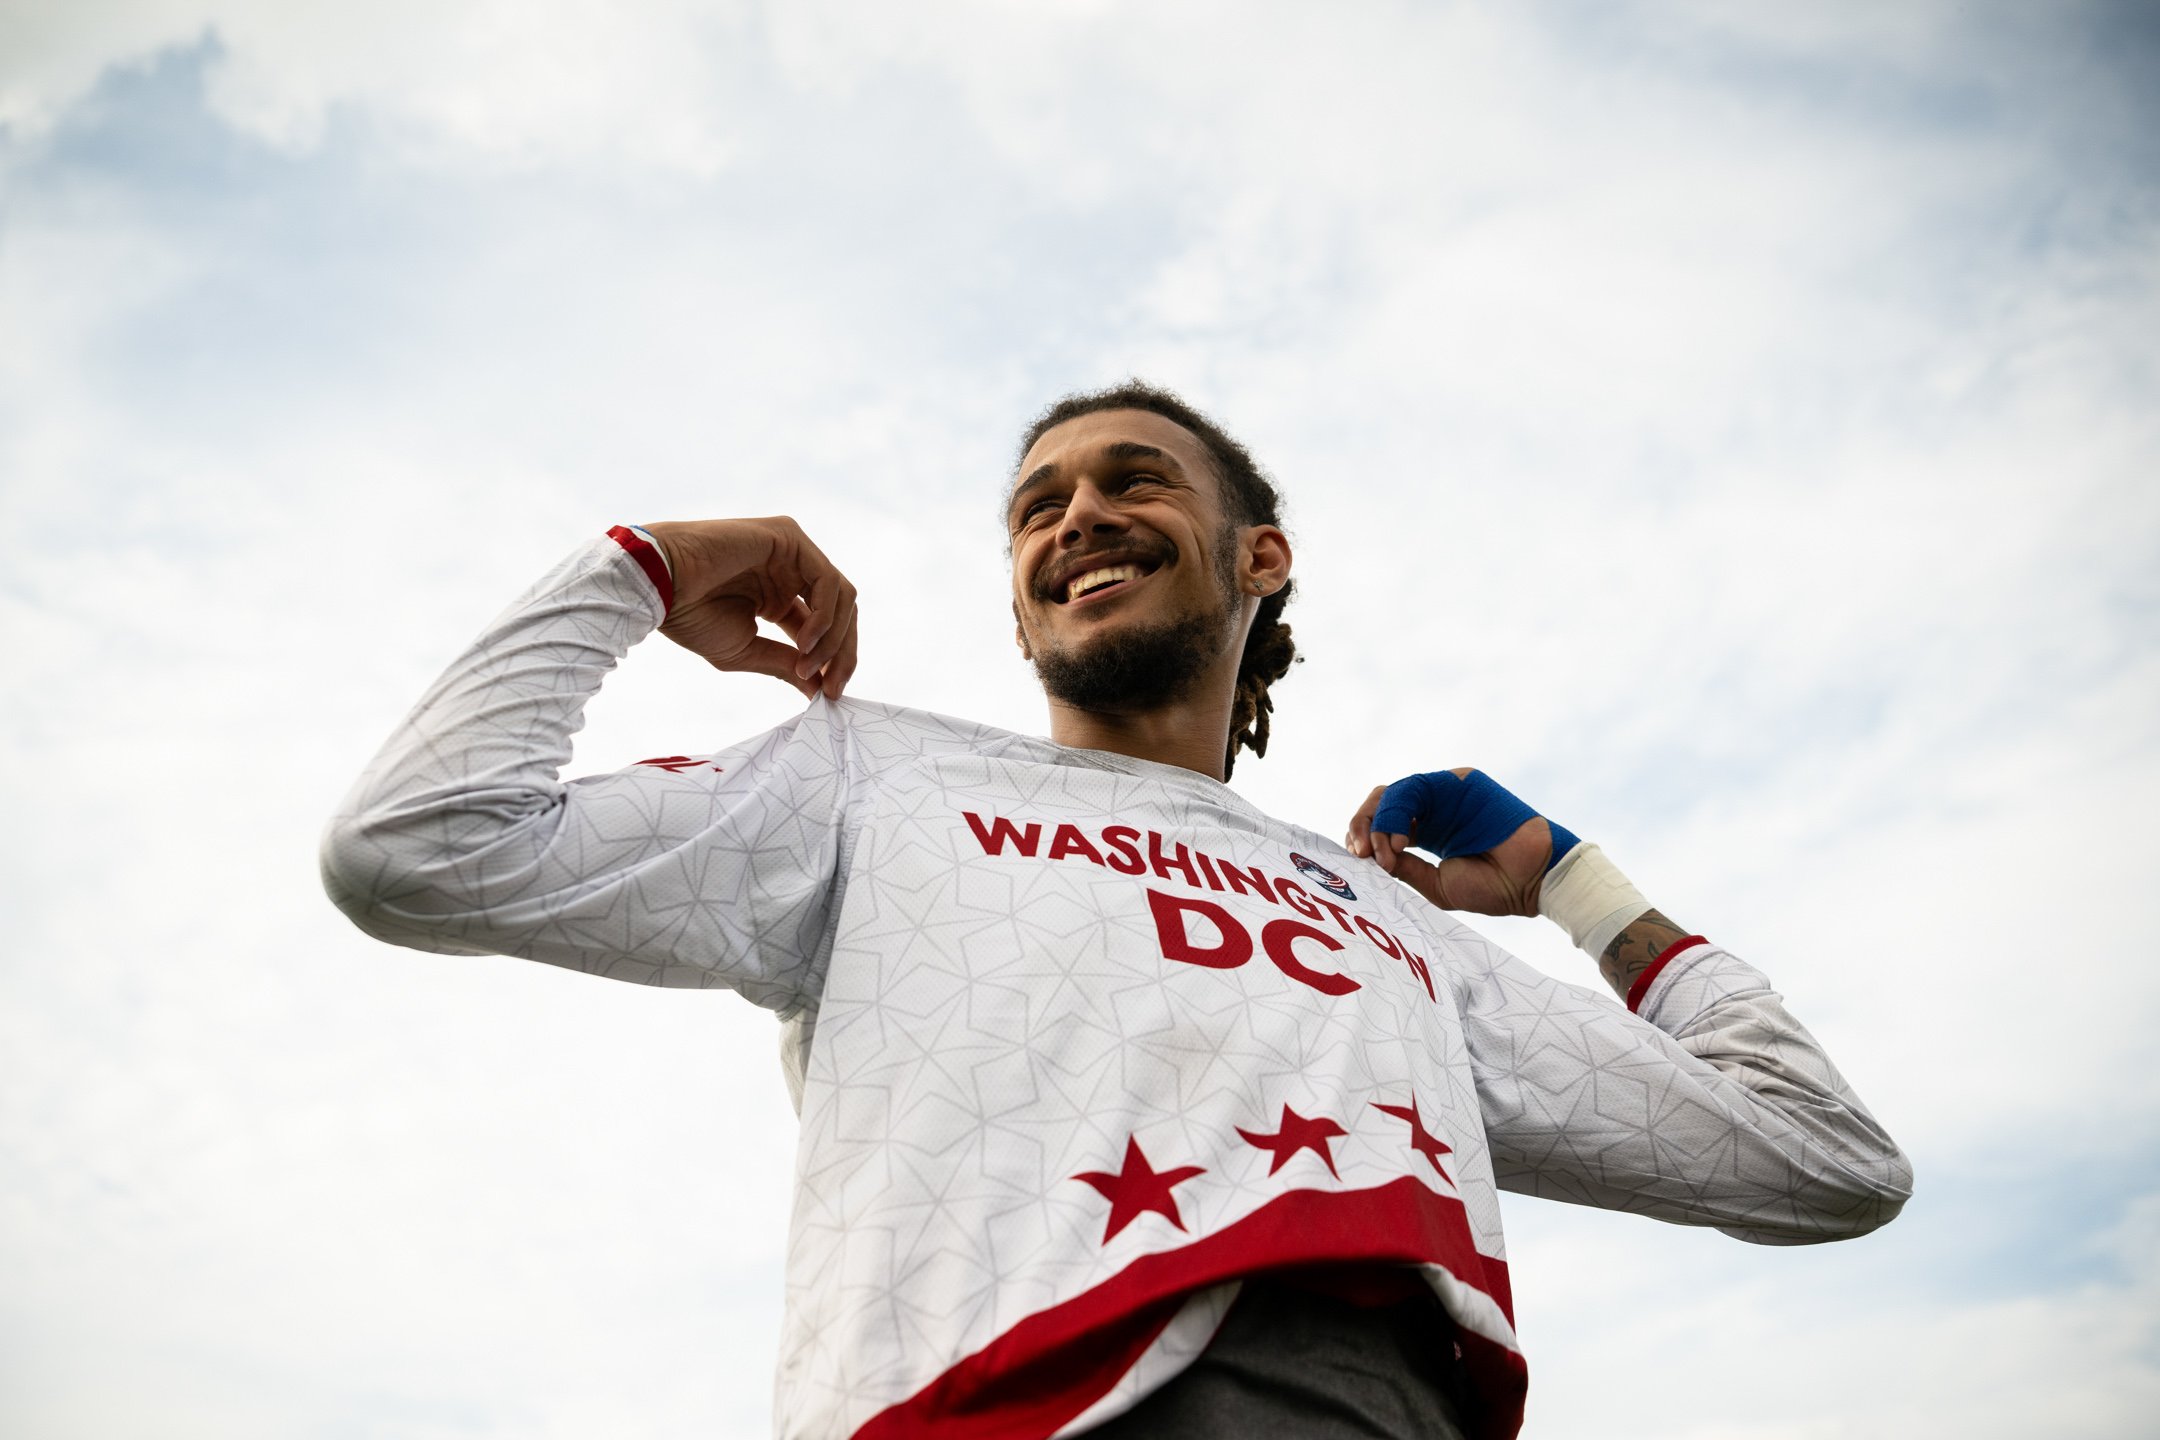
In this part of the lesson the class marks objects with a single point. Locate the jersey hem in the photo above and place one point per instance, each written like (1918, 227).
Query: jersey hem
(1055, 1364)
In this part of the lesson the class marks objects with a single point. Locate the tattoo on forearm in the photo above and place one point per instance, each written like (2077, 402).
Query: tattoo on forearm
(1634, 948)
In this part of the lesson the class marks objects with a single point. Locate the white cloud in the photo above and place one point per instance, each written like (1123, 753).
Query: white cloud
(1804, 1346)
(516, 84)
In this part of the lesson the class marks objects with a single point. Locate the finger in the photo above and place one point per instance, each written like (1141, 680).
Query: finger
(834, 677)
(1359, 839)
(1406, 807)
(824, 588)
(1389, 850)
(767, 657)
(819, 653)
(792, 620)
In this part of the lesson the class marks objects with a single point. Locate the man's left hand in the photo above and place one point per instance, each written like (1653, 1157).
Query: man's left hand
(1494, 850)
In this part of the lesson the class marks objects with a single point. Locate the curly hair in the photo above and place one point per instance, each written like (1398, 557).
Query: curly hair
(1249, 497)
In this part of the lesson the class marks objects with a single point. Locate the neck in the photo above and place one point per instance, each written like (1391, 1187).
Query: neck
(1192, 733)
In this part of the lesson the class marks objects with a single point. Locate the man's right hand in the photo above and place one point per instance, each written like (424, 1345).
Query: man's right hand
(730, 574)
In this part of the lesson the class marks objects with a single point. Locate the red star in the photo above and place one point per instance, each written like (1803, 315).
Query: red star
(1138, 1187)
(1298, 1133)
(1421, 1140)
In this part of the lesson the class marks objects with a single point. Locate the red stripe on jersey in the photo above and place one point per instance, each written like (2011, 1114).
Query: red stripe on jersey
(1054, 1364)
(649, 561)
(1641, 987)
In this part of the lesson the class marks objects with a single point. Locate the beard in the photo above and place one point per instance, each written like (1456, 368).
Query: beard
(1143, 668)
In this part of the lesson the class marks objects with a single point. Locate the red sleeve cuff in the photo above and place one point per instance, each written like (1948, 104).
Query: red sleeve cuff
(649, 561)
(1641, 987)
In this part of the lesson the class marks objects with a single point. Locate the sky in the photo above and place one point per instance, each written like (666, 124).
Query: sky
(1733, 427)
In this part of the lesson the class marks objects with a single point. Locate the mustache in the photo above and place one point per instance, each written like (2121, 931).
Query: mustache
(1152, 551)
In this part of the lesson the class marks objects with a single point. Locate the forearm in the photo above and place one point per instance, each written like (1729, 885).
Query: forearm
(1744, 1119)
(1725, 1014)
(1635, 948)
(1726, 1111)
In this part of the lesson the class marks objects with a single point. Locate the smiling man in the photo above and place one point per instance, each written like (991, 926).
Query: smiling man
(1126, 1108)
(1149, 580)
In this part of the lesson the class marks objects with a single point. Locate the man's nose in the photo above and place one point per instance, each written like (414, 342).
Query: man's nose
(1089, 512)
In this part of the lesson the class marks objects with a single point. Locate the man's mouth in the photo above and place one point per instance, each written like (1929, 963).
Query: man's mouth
(1098, 576)
(1094, 582)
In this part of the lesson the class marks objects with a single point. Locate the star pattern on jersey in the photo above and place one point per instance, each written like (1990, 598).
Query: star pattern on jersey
(1421, 1140)
(1297, 1132)
(1137, 1188)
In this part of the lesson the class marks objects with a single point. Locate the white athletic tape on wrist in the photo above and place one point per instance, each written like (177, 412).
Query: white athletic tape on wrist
(1587, 896)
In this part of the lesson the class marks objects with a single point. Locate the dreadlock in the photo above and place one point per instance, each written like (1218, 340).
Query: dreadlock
(1249, 498)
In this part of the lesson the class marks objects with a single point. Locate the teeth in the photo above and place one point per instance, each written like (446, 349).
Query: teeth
(1074, 589)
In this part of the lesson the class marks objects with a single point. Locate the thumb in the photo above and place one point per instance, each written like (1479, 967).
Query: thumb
(1422, 876)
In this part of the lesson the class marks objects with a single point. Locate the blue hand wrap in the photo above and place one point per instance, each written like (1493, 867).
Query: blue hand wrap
(1449, 815)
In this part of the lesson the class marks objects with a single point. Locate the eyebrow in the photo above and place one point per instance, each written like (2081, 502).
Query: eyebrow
(1117, 452)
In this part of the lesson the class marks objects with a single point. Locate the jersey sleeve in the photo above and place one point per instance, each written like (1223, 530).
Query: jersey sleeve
(1713, 1106)
(716, 870)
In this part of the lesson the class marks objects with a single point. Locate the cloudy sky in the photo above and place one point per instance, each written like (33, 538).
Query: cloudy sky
(1733, 426)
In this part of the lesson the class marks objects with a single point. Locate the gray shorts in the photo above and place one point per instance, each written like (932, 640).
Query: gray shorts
(1289, 1364)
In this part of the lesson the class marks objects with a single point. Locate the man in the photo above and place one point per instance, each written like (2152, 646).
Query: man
(1126, 1108)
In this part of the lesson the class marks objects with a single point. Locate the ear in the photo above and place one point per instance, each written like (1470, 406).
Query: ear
(1266, 561)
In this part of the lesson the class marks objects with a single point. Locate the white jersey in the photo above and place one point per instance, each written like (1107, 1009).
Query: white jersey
(1077, 1040)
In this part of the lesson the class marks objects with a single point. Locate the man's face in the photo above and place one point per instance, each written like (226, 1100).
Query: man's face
(1125, 566)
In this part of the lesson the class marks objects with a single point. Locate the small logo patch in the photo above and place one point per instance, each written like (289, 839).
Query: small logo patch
(1327, 879)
